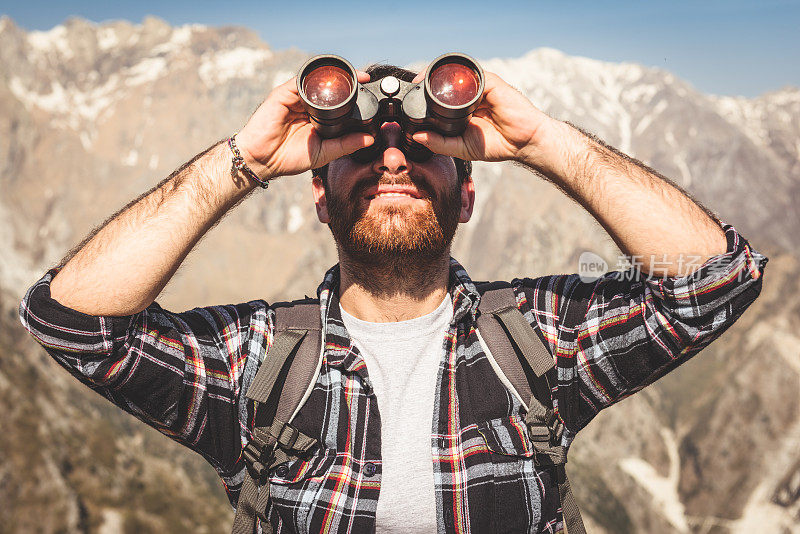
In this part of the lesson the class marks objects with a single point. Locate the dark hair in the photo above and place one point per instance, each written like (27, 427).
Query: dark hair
(376, 72)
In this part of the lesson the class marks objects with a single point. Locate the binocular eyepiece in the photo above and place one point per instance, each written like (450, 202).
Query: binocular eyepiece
(338, 104)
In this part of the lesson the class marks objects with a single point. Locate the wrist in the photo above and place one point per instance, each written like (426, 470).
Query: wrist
(244, 144)
(536, 152)
(240, 167)
(557, 151)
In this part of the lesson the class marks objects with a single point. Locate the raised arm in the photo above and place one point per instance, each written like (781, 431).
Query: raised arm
(121, 268)
(614, 336)
(645, 214)
(181, 373)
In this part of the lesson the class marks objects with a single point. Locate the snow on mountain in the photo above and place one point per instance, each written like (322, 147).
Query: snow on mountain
(92, 115)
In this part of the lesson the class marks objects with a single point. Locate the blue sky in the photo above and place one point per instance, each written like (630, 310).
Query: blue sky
(732, 47)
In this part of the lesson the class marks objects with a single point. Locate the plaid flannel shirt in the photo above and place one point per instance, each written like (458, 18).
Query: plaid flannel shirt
(185, 374)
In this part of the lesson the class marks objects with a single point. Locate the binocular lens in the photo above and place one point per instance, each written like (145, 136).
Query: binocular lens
(454, 84)
(327, 86)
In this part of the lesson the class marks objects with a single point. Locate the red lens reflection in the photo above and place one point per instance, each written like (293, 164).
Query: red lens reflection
(454, 84)
(327, 86)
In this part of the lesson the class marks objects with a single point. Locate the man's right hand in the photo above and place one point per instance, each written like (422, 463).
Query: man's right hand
(280, 140)
(123, 266)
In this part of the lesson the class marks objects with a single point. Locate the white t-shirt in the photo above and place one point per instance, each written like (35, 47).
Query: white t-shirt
(402, 361)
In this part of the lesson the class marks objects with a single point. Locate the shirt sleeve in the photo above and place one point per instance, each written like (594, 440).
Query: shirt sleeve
(615, 335)
(181, 373)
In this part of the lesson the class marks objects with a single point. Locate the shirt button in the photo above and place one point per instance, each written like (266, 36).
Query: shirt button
(282, 471)
(369, 469)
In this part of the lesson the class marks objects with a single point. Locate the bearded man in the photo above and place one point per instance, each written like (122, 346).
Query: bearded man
(417, 431)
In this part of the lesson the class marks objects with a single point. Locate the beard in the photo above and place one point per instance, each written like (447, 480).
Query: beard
(393, 247)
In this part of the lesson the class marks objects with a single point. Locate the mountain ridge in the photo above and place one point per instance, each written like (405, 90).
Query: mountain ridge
(74, 147)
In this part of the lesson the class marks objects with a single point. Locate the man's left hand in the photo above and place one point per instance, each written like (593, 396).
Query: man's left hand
(645, 215)
(504, 127)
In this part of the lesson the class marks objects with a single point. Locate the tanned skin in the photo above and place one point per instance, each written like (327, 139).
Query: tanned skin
(123, 266)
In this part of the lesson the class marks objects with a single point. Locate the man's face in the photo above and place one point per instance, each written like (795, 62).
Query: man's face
(393, 208)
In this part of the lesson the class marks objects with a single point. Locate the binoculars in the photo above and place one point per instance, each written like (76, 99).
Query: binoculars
(338, 104)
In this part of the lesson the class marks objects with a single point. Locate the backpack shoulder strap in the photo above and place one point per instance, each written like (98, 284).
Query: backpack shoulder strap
(281, 386)
(297, 326)
(509, 334)
(511, 340)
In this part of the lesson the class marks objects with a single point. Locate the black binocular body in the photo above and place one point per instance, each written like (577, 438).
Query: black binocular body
(338, 104)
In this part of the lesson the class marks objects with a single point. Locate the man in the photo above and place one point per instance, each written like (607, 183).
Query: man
(417, 431)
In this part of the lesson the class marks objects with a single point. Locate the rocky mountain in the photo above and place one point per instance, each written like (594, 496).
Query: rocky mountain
(93, 115)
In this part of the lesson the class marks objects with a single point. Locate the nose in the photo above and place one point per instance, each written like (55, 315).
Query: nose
(392, 160)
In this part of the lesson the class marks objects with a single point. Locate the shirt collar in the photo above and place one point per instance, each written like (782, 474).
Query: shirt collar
(462, 291)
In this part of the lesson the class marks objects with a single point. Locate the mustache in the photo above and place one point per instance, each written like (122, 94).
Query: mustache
(390, 179)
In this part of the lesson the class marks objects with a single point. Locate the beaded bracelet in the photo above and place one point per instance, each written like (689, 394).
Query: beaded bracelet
(239, 164)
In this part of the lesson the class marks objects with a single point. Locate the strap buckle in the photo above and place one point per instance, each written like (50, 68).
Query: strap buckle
(545, 429)
(287, 436)
(554, 426)
(257, 457)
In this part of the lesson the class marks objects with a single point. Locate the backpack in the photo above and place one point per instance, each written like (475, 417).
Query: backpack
(285, 380)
